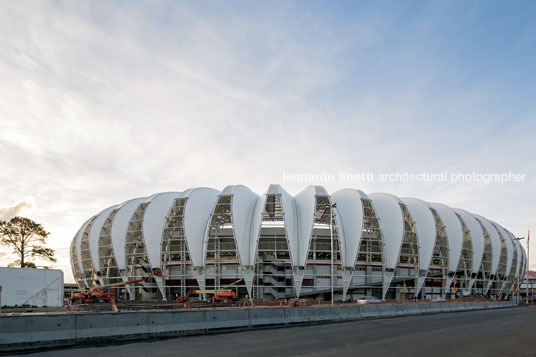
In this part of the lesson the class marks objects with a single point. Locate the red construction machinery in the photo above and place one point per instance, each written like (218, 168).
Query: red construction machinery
(99, 294)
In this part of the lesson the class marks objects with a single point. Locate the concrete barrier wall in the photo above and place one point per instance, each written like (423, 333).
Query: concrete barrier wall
(54, 330)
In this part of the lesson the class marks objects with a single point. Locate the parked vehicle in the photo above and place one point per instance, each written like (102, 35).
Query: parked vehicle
(368, 300)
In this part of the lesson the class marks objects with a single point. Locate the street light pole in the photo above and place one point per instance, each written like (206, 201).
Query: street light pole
(527, 273)
(517, 294)
(331, 235)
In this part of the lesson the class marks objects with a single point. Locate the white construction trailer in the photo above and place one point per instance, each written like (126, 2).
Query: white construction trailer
(33, 287)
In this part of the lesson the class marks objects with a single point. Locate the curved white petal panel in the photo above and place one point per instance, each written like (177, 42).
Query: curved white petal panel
(426, 229)
(256, 223)
(154, 219)
(341, 238)
(120, 226)
(454, 231)
(288, 207)
(524, 263)
(509, 247)
(291, 222)
(350, 211)
(199, 205)
(94, 235)
(477, 237)
(517, 247)
(305, 208)
(78, 244)
(72, 256)
(515, 264)
(391, 220)
(242, 206)
(495, 243)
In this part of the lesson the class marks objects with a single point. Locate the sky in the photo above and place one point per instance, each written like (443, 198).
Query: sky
(102, 102)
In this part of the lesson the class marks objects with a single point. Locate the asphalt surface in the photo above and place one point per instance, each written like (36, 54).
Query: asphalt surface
(504, 332)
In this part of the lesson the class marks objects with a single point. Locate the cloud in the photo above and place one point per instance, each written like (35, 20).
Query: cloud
(9, 212)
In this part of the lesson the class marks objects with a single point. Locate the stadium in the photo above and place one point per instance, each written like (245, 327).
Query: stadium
(279, 246)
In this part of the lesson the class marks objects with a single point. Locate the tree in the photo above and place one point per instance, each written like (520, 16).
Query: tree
(27, 238)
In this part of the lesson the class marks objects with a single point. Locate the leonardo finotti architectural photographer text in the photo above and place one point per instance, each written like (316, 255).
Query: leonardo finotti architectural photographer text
(404, 176)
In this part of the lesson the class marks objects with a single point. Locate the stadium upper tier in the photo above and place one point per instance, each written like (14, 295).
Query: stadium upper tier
(282, 245)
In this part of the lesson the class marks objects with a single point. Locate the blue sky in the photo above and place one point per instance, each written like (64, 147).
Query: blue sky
(106, 101)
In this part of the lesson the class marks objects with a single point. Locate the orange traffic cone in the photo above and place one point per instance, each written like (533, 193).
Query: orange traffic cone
(184, 306)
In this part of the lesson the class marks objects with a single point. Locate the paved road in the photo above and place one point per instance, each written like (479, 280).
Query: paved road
(505, 332)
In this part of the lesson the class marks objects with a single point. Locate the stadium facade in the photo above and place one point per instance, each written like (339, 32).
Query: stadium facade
(277, 246)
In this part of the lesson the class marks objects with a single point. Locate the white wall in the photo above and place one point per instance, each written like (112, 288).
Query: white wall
(35, 287)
